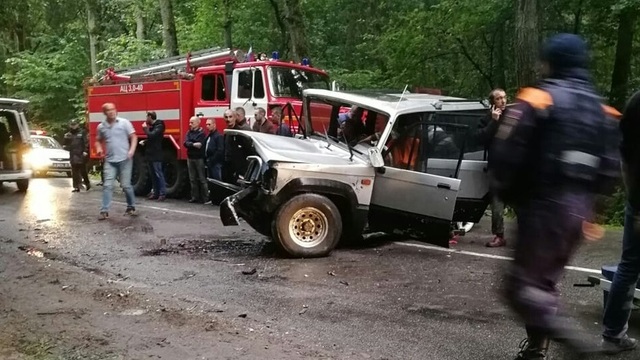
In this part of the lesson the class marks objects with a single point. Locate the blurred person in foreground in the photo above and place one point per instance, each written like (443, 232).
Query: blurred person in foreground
(552, 151)
(620, 300)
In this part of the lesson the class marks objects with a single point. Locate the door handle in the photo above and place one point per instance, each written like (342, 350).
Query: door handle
(444, 186)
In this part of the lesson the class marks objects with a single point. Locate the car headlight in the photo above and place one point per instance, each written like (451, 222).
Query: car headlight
(35, 161)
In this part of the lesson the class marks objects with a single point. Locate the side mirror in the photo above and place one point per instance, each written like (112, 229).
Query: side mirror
(375, 157)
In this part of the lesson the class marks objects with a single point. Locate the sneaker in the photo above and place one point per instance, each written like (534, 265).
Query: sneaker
(99, 184)
(616, 346)
(75, 190)
(87, 186)
(103, 215)
(152, 197)
(162, 198)
(497, 241)
(131, 211)
(193, 200)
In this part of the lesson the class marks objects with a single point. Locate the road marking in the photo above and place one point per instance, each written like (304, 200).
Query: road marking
(489, 256)
(170, 210)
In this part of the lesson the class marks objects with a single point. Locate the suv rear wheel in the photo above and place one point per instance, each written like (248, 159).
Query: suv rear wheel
(308, 225)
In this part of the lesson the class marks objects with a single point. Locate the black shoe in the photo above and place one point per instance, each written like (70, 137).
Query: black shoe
(99, 184)
(75, 190)
(87, 186)
(103, 215)
(533, 349)
(131, 211)
(193, 200)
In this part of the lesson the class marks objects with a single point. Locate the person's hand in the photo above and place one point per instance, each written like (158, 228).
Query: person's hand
(130, 154)
(142, 142)
(84, 154)
(144, 124)
(197, 145)
(495, 113)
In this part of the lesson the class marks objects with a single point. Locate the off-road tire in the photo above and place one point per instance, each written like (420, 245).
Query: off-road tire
(140, 177)
(321, 220)
(23, 185)
(176, 175)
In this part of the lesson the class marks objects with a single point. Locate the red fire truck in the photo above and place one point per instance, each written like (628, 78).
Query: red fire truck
(205, 83)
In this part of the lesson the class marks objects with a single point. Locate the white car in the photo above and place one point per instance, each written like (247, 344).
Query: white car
(47, 155)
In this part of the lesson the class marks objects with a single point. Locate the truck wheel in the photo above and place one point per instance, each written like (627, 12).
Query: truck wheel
(308, 225)
(23, 185)
(176, 175)
(140, 179)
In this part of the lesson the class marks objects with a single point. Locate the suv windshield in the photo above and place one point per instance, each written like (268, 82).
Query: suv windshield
(288, 82)
(45, 143)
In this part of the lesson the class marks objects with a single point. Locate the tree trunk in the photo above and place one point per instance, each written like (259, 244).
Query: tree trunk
(294, 21)
(500, 61)
(577, 21)
(228, 22)
(624, 51)
(526, 42)
(93, 33)
(283, 28)
(169, 35)
(139, 14)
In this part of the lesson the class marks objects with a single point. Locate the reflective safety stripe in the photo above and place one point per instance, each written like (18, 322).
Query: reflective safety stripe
(579, 157)
(169, 114)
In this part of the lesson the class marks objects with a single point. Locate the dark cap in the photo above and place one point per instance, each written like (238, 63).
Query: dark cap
(565, 51)
(73, 122)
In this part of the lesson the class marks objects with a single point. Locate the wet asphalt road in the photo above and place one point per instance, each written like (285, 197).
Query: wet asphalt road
(387, 300)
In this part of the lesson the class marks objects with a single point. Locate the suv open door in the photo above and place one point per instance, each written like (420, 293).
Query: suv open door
(405, 191)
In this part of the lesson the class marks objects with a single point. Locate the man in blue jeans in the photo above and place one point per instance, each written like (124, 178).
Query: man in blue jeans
(116, 140)
(620, 300)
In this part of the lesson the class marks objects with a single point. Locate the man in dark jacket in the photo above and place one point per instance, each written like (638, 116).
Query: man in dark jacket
(484, 135)
(620, 300)
(214, 151)
(154, 128)
(548, 172)
(194, 143)
(76, 142)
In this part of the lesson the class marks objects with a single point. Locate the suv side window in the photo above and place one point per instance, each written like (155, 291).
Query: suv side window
(245, 84)
(420, 137)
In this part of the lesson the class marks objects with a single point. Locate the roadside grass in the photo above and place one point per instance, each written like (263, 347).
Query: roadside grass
(46, 349)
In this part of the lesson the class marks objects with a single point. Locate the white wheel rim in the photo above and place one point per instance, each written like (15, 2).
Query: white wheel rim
(308, 227)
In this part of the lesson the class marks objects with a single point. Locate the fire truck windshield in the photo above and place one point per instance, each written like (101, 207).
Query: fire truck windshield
(288, 82)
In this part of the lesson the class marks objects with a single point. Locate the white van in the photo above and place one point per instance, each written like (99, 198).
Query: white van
(14, 143)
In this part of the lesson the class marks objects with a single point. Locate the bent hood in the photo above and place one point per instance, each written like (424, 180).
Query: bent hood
(311, 151)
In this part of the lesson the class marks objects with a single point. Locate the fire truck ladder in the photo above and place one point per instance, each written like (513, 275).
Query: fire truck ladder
(176, 64)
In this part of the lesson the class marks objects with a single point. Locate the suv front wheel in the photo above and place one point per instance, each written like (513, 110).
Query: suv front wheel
(308, 225)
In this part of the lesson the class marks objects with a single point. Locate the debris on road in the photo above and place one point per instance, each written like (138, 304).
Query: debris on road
(304, 309)
(331, 273)
(32, 251)
(243, 315)
(249, 272)
(344, 283)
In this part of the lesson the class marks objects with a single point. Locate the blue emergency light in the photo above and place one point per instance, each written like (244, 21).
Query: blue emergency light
(305, 61)
(275, 56)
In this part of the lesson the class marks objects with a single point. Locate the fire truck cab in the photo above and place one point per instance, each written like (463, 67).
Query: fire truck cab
(204, 84)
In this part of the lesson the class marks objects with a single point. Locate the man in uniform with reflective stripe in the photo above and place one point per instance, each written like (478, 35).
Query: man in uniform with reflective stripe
(549, 156)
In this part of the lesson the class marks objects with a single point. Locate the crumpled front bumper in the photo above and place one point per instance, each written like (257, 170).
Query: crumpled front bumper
(229, 213)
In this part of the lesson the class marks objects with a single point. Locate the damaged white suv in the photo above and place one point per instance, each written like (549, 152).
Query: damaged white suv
(395, 163)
